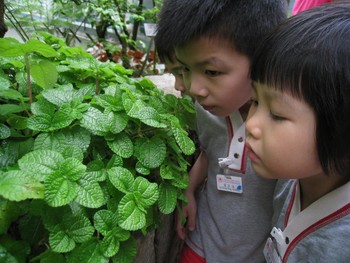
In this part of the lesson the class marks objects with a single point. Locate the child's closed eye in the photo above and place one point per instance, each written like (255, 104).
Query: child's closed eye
(277, 117)
(212, 73)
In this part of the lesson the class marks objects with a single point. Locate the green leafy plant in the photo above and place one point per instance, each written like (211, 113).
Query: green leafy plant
(88, 156)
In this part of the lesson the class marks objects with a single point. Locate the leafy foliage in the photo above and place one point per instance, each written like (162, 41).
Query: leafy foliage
(88, 155)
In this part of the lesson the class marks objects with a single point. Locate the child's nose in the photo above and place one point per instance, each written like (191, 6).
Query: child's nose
(197, 87)
(253, 125)
(179, 84)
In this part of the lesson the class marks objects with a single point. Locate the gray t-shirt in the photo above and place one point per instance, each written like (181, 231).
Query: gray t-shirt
(230, 227)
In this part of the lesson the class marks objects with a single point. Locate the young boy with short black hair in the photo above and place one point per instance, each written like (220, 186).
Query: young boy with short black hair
(214, 41)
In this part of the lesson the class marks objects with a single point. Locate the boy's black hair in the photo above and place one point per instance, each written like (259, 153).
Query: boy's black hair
(308, 56)
(240, 22)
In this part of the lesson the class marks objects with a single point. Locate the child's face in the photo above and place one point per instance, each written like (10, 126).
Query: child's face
(281, 134)
(175, 68)
(215, 74)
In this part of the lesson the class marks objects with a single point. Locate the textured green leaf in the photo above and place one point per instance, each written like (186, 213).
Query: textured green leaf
(79, 228)
(127, 252)
(122, 145)
(180, 181)
(151, 152)
(11, 151)
(187, 103)
(40, 163)
(95, 121)
(88, 252)
(60, 242)
(127, 102)
(49, 256)
(45, 122)
(115, 161)
(73, 152)
(130, 216)
(82, 63)
(11, 94)
(6, 109)
(5, 131)
(17, 186)
(44, 74)
(119, 122)
(110, 245)
(149, 191)
(167, 198)
(72, 169)
(186, 144)
(109, 102)
(37, 46)
(59, 191)
(105, 221)
(59, 97)
(17, 122)
(42, 106)
(166, 172)
(111, 241)
(95, 171)
(121, 178)
(141, 169)
(50, 141)
(90, 193)
(147, 115)
(78, 137)
(12, 62)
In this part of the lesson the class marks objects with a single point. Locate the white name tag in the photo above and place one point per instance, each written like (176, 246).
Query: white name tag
(229, 183)
(270, 252)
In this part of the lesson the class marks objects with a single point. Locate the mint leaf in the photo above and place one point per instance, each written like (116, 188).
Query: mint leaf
(95, 121)
(88, 252)
(59, 97)
(78, 228)
(130, 216)
(121, 178)
(5, 131)
(149, 191)
(151, 152)
(59, 191)
(186, 144)
(167, 198)
(119, 122)
(17, 186)
(90, 193)
(105, 221)
(40, 163)
(121, 145)
(72, 169)
(60, 241)
(44, 74)
(127, 252)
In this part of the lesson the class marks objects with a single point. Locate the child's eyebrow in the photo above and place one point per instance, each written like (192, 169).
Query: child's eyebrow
(207, 61)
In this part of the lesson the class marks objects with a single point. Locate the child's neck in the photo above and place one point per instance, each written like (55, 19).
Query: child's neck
(313, 188)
